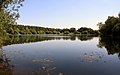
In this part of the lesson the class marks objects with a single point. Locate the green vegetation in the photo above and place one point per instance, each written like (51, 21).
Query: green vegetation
(111, 27)
(22, 29)
(8, 13)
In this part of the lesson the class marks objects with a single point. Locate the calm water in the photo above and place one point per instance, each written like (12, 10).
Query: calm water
(60, 55)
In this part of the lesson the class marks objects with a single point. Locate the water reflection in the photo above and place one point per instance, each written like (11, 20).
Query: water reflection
(5, 66)
(46, 65)
(111, 44)
(28, 39)
(85, 37)
(58, 56)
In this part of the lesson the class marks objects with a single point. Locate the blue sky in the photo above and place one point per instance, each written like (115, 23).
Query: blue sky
(67, 13)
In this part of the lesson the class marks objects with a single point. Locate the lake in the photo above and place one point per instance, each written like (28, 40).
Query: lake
(60, 55)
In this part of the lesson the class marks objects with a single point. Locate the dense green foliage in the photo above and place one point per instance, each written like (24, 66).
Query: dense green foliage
(111, 26)
(85, 30)
(8, 13)
(22, 29)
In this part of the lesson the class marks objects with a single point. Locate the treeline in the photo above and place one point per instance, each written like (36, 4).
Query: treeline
(111, 27)
(23, 29)
(9, 13)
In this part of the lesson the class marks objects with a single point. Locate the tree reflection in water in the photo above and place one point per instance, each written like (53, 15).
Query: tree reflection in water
(5, 66)
(28, 39)
(111, 44)
(46, 69)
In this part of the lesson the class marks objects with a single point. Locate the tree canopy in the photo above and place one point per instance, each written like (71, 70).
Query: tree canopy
(24, 29)
(9, 12)
(111, 26)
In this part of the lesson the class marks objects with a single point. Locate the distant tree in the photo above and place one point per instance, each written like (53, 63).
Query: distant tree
(100, 25)
(119, 15)
(66, 32)
(72, 30)
(76, 32)
(85, 30)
